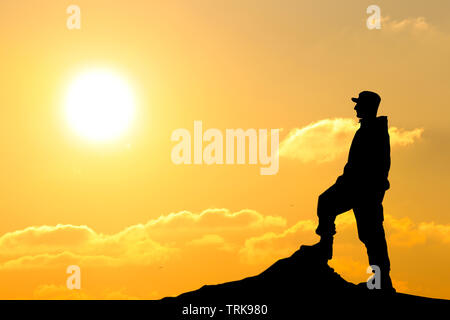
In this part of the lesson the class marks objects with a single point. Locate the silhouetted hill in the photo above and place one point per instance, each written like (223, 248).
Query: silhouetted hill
(297, 286)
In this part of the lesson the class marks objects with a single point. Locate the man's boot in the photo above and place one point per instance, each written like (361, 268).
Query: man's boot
(323, 250)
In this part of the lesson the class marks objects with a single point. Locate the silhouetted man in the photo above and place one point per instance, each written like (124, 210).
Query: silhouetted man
(361, 187)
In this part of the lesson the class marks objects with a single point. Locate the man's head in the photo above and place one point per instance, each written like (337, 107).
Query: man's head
(367, 104)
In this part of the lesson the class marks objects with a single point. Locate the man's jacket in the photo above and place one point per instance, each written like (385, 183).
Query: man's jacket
(369, 158)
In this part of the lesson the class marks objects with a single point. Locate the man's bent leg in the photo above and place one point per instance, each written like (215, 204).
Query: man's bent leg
(331, 203)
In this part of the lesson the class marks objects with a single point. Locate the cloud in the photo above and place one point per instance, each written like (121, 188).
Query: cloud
(249, 234)
(401, 232)
(49, 238)
(212, 240)
(60, 292)
(400, 137)
(53, 246)
(46, 260)
(208, 239)
(157, 255)
(412, 24)
(406, 233)
(142, 244)
(436, 232)
(216, 219)
(273, 244)
(328, 139)
(51, 291)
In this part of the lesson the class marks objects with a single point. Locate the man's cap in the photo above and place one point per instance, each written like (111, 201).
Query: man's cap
(368, 97)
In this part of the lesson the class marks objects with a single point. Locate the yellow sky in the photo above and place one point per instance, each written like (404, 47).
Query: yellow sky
(241, 64)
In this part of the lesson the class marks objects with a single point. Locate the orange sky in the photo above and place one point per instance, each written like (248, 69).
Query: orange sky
(140, 226)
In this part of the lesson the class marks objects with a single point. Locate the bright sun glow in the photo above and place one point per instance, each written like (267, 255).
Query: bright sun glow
(99, 105)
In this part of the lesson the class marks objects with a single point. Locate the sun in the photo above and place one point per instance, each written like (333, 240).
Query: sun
(99, 105)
